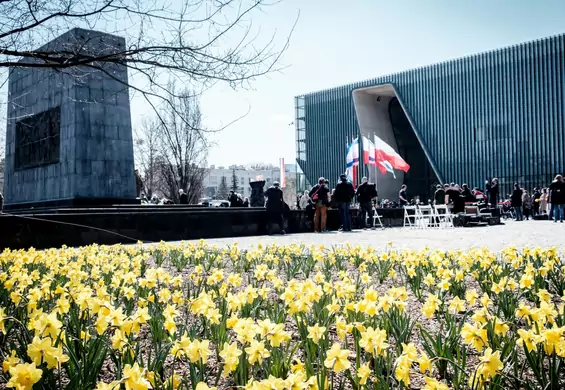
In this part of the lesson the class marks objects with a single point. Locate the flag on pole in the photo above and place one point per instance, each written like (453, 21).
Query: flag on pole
(352, 161)
(385, 153)
(355, 146)
(388, 168)
(283, 173)
(368, 152)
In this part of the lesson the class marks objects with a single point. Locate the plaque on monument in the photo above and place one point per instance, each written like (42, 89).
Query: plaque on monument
(38, 139)
(68, 137)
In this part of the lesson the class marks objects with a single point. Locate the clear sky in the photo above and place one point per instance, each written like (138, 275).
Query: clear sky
(337, 42)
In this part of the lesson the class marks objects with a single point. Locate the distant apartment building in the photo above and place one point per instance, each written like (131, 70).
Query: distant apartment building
(214, 177)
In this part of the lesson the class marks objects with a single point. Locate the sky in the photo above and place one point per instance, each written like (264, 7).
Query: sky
(336, 42)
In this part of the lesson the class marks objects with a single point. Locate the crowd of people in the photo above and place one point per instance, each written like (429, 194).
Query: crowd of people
(548, 201)
(521, 204)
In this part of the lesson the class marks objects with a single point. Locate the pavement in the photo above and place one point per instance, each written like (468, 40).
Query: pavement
(524, 233)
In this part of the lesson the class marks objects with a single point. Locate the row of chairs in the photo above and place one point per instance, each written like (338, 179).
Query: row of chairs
(427, 216)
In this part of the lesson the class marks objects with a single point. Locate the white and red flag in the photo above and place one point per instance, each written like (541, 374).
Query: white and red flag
(387, 158)
(368, 152)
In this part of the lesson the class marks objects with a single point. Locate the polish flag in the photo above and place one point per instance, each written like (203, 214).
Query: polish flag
(385, 153)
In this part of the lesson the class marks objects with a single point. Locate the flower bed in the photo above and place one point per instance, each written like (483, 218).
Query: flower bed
(196, 317)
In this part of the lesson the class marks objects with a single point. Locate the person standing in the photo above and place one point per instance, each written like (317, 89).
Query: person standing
(557, 198)
(543, 201)
(402, 197)
(344, 193)
(493, 193)
(453, 196)
(365, 194)
(526, 204)
(304, 201)
(516, 202)
(138, 183)
(319, 195)
(275, 207)
(439, 195)
(233, 199)
(536, 202)
(183, 197)
(487, 190)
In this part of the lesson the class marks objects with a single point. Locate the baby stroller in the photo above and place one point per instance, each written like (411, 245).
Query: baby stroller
(506, 210)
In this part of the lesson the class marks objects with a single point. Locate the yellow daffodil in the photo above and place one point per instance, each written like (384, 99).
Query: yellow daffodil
(316, 332)
(337, 359)
(23, 376)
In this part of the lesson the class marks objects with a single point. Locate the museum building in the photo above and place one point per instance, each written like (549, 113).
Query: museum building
(494, 114)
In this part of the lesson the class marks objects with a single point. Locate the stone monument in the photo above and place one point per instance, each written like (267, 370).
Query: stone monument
(257, 198)
(69, 137)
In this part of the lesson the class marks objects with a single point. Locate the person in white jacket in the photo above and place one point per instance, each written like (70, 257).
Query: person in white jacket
(304, 201)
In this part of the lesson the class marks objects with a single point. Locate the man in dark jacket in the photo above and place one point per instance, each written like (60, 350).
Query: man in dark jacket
(467, 194)
(344, 193)
(557, 198)
(493, 193)
(319, 196)
(516, 201)
(233, 199)
(183, 197)
(365, 194)
(138, 183)
(439, 195)
(274, 207)
(453, 196)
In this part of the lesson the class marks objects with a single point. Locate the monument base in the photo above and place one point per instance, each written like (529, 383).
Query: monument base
(76, 202)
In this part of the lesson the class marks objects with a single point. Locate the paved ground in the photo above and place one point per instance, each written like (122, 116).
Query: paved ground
(526, 233)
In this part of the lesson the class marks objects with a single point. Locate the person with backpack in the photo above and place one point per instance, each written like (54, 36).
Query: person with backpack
(319, 195)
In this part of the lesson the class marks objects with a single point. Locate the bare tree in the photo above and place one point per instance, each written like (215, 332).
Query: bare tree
(182, 146)
(146, 147)
(193, 42)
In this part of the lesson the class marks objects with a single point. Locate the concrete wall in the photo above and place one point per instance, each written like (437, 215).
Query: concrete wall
(96, 145)
(373, 118)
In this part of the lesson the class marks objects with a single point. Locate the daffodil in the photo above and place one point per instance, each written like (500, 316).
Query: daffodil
(490, 364)
(134, 378)
(434, 384)
(230, 354)
(256, 352)
(10, 361)
(23, 376)
(474, 336)
(337, 359)
(363, 373)
(316, 332)
(425, 363)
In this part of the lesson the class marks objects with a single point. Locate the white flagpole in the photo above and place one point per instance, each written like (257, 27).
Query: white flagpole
(375, 166)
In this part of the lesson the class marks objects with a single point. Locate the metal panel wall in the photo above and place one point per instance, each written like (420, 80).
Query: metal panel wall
(498, 113)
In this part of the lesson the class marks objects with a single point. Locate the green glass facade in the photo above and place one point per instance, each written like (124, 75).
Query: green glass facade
(496, 114)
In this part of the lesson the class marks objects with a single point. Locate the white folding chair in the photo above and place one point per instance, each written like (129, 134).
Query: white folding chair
(444, 216)
(377, 217)
(410, 216)
(427, 217)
